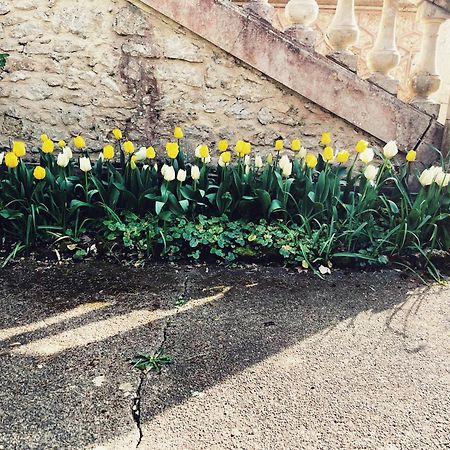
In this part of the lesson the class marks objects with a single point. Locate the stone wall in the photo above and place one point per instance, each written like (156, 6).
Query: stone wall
(86, 67)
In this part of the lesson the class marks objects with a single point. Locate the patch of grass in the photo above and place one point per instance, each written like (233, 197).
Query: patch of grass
(154, 362)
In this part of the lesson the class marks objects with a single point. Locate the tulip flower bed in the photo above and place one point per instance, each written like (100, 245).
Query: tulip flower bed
(292, 206)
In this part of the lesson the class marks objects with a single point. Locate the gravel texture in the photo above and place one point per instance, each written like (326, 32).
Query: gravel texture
(265, 358)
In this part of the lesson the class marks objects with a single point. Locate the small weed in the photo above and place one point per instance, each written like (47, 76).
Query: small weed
(152, 362)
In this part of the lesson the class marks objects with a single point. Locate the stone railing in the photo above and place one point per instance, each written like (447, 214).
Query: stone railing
(343, 31)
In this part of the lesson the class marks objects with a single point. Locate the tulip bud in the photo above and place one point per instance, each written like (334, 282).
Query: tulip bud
(62, 144)
(222, 145)
(247, 170)
(361, 146)
(79, 142)
(367, 156)
(108, 152)
(195, 173)
(225, 157)
(68, 152)
(169, 173)
(11, 160)
(411, 156)
(39, 173)
(326, 139)
(178, 133)
(62, 160)
(302, 153)
(311, 160)
(328, 154)
(117, 134)
(141, 154)
(287, 170)
(342, 156)
(390, 149)
(172, 150)
(283, 161)
(296, 145)
(269, 159)
(48, 146)
(221, 162)
(150, 154)
(128, 147)
(370, 172)
(19, 149)
(279, 144)
(247, 160)
(426, 177)
(181, 175)
(258, 162)
(2, 155)
(85, 164)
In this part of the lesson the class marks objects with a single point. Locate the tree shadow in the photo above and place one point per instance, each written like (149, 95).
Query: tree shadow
(233, 319)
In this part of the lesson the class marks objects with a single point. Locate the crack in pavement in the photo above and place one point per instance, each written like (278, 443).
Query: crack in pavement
(137, 400)
(136, 409)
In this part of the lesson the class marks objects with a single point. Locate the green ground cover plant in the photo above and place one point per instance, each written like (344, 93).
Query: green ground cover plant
(294, 206)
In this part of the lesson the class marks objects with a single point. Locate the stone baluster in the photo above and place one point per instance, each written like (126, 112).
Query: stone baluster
(261, 8)
(384, 55)
(343, 33)
(424, 79)
(446, 141)
(301, 14)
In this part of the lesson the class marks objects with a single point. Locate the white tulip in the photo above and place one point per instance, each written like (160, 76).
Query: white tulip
(390, 149)
(287, 170)
(62, 160)
(155, 166)
(68, 152)
(442, 179)
(221, 162)
(197, 152)
(169, 173)
(426, 177)
(141, 154)
(284, 161)
(367, 156)
(195, 173)
(371, 172)
(85, 164)
(145, 167)
(302, 153)
(164, 168)
(207, 160)
(2, 155)
(181, 175)
(258, 162)
(247, 160)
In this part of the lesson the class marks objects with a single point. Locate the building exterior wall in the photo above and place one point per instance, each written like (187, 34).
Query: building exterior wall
(86, 68)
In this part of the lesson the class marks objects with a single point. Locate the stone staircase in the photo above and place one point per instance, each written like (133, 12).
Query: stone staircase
(330, 81)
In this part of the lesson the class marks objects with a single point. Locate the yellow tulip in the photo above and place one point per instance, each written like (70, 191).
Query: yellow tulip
(44, 137)
(222, 145)
(269, 159)
(178, 133)
(279, 144)
(326, 139)
(311, 160)
(296, 145)
(247, 148)
(117, 134)
(343, 156)
(172, 150)
(203, 151)
(108, 152)
(328, 154)
(79, 142)
(62, 144)
(150, 153)
(133, 162)
(48, 146)
(39, 173)
(361, 146)
(411, 156)
(11, 160)
(19, 149)
(240, 148)
(226, 157)
(128, 147)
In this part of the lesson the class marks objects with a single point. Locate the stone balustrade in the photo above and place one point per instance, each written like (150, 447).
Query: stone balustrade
(342, 34)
